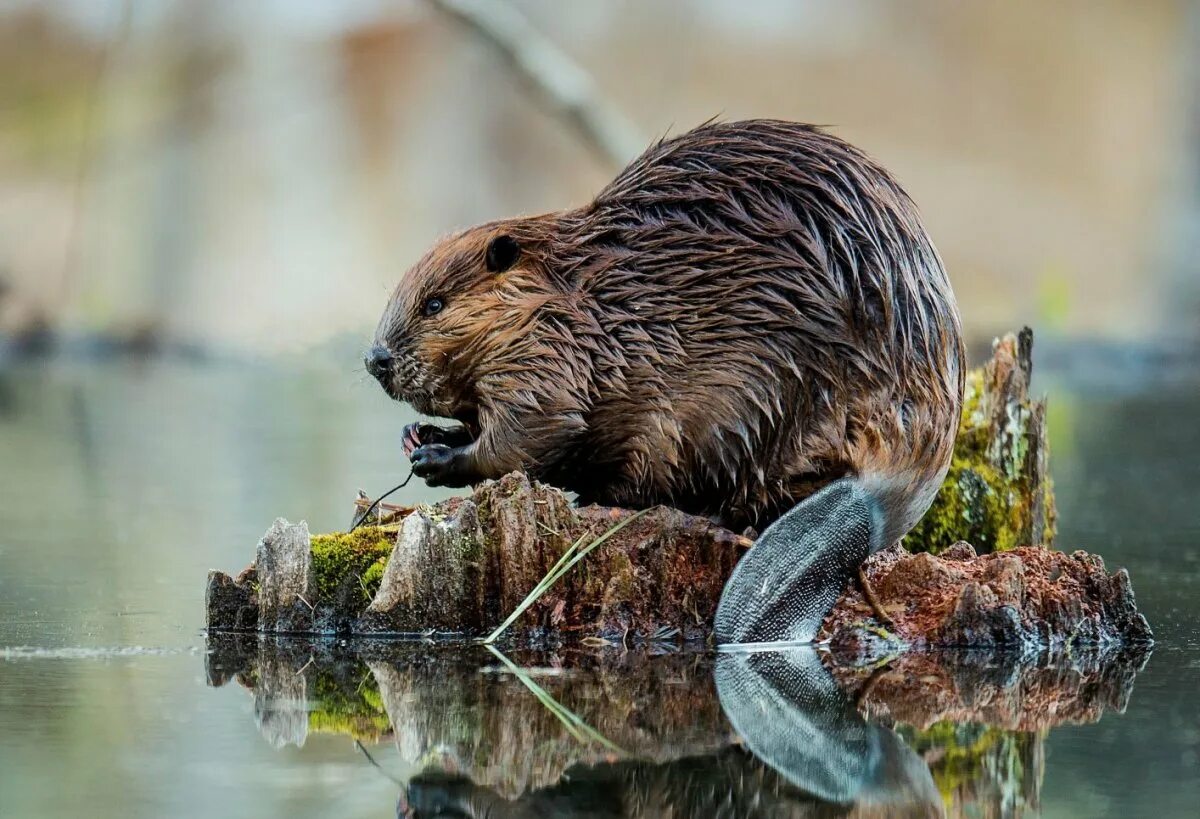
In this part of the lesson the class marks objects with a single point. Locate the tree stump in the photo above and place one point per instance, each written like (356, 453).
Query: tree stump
(460, 567)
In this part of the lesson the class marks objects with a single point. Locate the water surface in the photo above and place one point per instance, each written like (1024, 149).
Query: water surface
(123, 483)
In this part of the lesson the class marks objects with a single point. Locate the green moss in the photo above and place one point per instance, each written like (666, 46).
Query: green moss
(967, 754)
(370, 579)
(346, 707)
(972, 413)
(468, 547)
(980, 502)
(351, 563)
(973, 505)
(876, 630)
(371, 696)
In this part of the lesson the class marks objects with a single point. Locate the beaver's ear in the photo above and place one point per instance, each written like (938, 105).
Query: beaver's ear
(502, 253)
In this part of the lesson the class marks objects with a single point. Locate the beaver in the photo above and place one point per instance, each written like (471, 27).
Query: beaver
(750, 322)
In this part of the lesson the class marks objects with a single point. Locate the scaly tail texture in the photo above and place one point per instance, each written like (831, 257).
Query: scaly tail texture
(784, 586)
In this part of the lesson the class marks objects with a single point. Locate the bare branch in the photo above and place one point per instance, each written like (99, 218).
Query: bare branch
(559, 83)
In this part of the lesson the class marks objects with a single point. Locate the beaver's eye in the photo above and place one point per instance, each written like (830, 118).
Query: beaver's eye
(433, 306)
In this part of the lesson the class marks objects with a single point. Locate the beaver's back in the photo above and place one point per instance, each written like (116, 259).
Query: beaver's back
(773, 316)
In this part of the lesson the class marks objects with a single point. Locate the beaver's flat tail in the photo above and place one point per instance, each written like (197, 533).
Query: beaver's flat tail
(784, 586)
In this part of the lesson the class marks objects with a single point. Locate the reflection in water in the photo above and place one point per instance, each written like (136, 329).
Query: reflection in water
(728, 782)
(789, 711)
(630, 734)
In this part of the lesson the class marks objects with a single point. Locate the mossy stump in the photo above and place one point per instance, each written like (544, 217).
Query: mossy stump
(998, 494)
(461, 566)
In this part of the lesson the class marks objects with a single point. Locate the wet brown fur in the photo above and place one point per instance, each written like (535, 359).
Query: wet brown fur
(746, 313)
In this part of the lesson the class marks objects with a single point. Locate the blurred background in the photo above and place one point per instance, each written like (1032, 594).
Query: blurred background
(253, 177)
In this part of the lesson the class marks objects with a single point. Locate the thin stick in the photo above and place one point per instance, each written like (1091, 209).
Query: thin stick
(372, 507)
(561, 567)
(873, 601)
(378, 767)
(364, 502)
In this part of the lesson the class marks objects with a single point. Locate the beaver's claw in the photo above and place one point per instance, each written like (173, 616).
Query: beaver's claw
(418, 434)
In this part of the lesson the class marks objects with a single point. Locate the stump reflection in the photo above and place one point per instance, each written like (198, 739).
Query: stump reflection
(607, 733)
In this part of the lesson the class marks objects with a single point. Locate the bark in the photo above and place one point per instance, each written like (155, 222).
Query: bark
(1027, 599)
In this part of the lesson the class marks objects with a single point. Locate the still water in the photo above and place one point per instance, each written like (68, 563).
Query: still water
(123, 483)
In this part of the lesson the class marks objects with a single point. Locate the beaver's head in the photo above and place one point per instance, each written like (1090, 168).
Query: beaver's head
(460, 315)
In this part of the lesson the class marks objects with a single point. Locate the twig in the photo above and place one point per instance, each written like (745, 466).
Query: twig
(869, 594)
(378, 767)
(383, 508)
(559, 83)
(371, 508)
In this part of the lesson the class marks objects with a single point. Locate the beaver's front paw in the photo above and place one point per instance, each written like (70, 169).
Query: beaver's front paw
(434, 463)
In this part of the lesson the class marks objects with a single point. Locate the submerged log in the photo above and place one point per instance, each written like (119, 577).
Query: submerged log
(462, 565)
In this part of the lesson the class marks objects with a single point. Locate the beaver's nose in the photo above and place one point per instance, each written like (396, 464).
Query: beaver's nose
(378, 362)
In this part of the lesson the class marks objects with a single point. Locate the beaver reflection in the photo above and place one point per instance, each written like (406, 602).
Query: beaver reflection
(807, 753)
